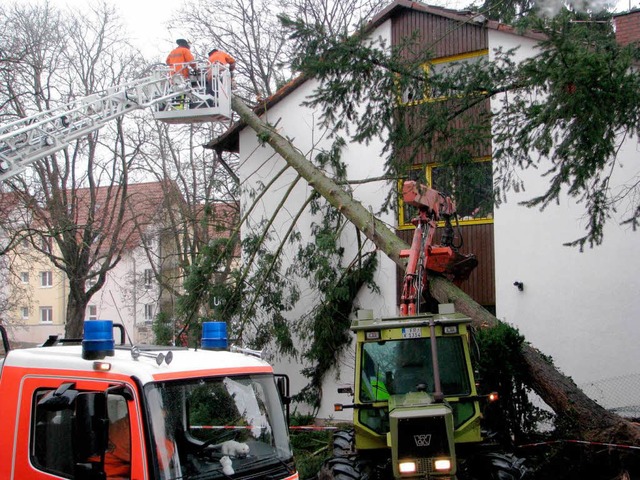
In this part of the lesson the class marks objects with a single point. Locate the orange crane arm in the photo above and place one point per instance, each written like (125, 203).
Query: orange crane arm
(423, 255)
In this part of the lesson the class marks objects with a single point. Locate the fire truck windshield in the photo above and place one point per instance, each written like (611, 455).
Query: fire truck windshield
(216, 427)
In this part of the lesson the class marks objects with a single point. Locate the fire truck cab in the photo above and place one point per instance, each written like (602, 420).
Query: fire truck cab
(96, 410)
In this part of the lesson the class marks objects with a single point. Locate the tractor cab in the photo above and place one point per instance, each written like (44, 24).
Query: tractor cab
(415, 392)
(203, 97)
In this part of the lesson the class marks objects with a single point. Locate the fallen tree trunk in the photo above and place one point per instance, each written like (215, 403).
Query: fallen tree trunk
(593, 423)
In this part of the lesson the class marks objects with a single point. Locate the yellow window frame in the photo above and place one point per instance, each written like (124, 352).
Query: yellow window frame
(405, 224)
(426, 67)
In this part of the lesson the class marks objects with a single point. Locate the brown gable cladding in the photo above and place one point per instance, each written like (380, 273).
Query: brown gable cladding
(228, 141)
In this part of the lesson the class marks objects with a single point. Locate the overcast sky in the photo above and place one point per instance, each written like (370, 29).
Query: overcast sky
(148, 22)
(150, 28)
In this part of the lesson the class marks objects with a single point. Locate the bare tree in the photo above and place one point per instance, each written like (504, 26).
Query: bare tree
(202, 190)
(337, 17)
(76, 198)
(252, 33)
(14, 292)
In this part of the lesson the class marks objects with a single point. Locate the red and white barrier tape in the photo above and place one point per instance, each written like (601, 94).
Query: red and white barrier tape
(223, 427)
(581, 442)
(250, 427)
(311, 427)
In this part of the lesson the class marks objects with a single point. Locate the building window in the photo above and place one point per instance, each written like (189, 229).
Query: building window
(470, 185)
(417, 91)
(46, 279)
(24, 276)
(148, 278)
(92, 312)
(25, 313)
(46, 314)
(91, 280)
(148, 240)
(148, 312)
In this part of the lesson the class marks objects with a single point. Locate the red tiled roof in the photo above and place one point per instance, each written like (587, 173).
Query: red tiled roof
(144, 202)
(8, 202)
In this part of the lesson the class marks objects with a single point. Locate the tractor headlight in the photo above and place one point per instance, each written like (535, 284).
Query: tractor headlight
(442, 464)
(407, 467)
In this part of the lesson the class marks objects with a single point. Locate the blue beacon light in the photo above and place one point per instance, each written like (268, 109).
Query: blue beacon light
(97, 340)
(214, 336)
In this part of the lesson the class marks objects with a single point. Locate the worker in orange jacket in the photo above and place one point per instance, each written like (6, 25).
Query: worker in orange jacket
(181, 58)
(117, 460)
(223, 60)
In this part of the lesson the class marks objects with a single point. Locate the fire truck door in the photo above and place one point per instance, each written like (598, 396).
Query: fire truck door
(52, 442)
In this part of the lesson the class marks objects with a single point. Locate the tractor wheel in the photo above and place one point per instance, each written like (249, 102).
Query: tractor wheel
(343, 443)
(493, 466)
(344, 464)
(340, 468)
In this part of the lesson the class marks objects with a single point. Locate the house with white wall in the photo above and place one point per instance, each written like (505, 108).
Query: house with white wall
(131, 294)
(147, 276)
(577, 307)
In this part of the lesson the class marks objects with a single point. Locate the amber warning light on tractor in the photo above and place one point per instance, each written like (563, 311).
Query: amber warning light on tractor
(97, 341)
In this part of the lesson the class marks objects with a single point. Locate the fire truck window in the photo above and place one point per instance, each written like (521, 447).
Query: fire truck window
(117, 459)
(52, 446)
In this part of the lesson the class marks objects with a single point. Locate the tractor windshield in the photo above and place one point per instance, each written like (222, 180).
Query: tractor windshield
(219, 427)
(402, 366)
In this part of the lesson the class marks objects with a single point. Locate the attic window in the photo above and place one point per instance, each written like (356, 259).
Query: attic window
(418, 90)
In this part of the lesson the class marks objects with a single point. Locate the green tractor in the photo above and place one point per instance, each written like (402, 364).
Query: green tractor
(417, 411)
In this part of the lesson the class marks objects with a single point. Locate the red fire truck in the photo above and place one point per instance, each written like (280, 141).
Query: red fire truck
(91, 409)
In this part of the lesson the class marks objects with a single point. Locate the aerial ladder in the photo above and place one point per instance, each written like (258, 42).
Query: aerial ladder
(204, 97)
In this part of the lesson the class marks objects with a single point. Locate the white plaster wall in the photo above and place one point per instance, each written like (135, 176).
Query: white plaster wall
(259, 164)
(579, 308)
(122, 300)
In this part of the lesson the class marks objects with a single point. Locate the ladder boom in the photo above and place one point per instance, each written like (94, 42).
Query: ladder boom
(29, 139)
